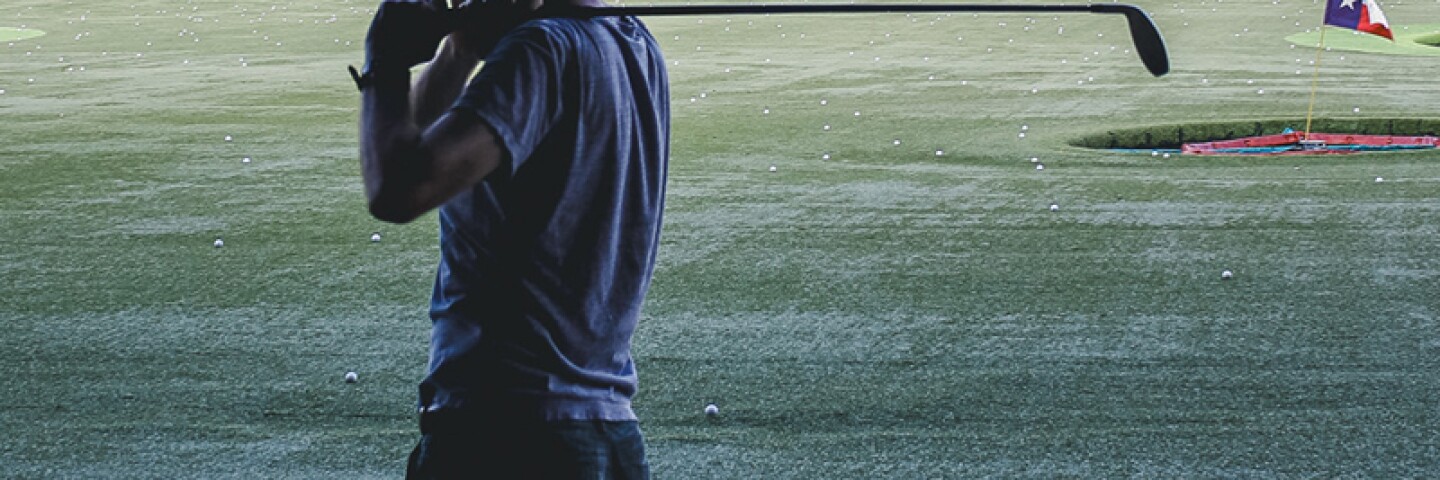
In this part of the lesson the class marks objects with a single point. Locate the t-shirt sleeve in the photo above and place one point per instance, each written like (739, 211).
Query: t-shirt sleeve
(518, 91)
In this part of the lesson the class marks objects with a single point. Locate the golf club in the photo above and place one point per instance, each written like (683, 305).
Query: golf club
(1143, 32)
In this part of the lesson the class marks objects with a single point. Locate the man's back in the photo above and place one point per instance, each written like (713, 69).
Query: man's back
(545, 264)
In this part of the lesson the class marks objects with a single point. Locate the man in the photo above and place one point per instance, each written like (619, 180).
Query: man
(548, 171)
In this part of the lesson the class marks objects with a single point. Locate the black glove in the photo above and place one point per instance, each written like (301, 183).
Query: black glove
(405, 33)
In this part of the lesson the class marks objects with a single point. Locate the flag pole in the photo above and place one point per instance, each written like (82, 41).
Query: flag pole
(1314, 81)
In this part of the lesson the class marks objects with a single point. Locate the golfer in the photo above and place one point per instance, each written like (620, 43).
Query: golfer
(548, 170)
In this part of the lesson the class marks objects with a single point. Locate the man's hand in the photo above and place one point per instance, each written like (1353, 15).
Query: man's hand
(405, 33)
(481, 24)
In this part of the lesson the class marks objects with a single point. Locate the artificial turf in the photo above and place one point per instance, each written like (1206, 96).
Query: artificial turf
(867, 310)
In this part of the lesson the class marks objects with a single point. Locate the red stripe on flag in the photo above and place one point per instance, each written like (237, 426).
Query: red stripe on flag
(1372, 28)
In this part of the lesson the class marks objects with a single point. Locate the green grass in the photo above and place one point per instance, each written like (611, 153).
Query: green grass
(885, 313)
(8, 34)
(1409, 40)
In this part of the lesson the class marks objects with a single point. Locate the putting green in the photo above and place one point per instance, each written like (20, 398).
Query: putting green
(8, 34)
(1409, 40)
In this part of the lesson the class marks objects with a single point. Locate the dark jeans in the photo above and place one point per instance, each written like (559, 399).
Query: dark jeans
(452, 448)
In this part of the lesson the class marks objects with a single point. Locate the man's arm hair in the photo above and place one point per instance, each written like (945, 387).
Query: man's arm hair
(414, 156)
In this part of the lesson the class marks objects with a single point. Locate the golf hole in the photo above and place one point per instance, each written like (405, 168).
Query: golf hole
(1271, 137)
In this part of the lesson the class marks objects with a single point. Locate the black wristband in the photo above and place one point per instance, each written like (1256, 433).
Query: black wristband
(371, 78)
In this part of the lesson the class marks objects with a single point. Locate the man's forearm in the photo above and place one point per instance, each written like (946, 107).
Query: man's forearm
(441, 83)
(388, 136)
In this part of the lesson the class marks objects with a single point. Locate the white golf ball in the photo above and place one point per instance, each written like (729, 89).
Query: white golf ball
(1039, 166)
(772, 168)
(1379, 179)
(1226, 275)
(375, 237)
(712, 410)
(351, 377)
(219, 243)
(1054, 207)
(245, 160)
(227, 138)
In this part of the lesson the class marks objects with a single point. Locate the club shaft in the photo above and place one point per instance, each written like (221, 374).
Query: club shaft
(817, 8)
(1148, 43)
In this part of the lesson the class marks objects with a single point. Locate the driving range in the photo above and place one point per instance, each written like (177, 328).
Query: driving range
(892, 248)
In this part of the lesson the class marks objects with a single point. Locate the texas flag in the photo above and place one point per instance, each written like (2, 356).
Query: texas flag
(1362, 15)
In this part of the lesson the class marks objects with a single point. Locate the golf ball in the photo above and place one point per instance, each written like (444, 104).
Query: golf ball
(1226, 275)
(351, 377)
(227, 138)
(375, 237)
(219, 243)
(1054, 207)
(245, 160)
(712, 410)
(772, 168)
(1379, 179)
(1039, 166)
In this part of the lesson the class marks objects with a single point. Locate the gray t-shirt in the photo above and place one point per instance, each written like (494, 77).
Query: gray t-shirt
(544, 265)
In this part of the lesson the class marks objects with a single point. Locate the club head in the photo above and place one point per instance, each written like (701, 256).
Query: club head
(1143, 32)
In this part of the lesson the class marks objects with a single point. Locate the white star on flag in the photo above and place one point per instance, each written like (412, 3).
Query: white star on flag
(1350, 4)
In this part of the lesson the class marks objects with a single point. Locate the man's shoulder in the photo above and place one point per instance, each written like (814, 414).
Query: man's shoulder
(564, 27)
